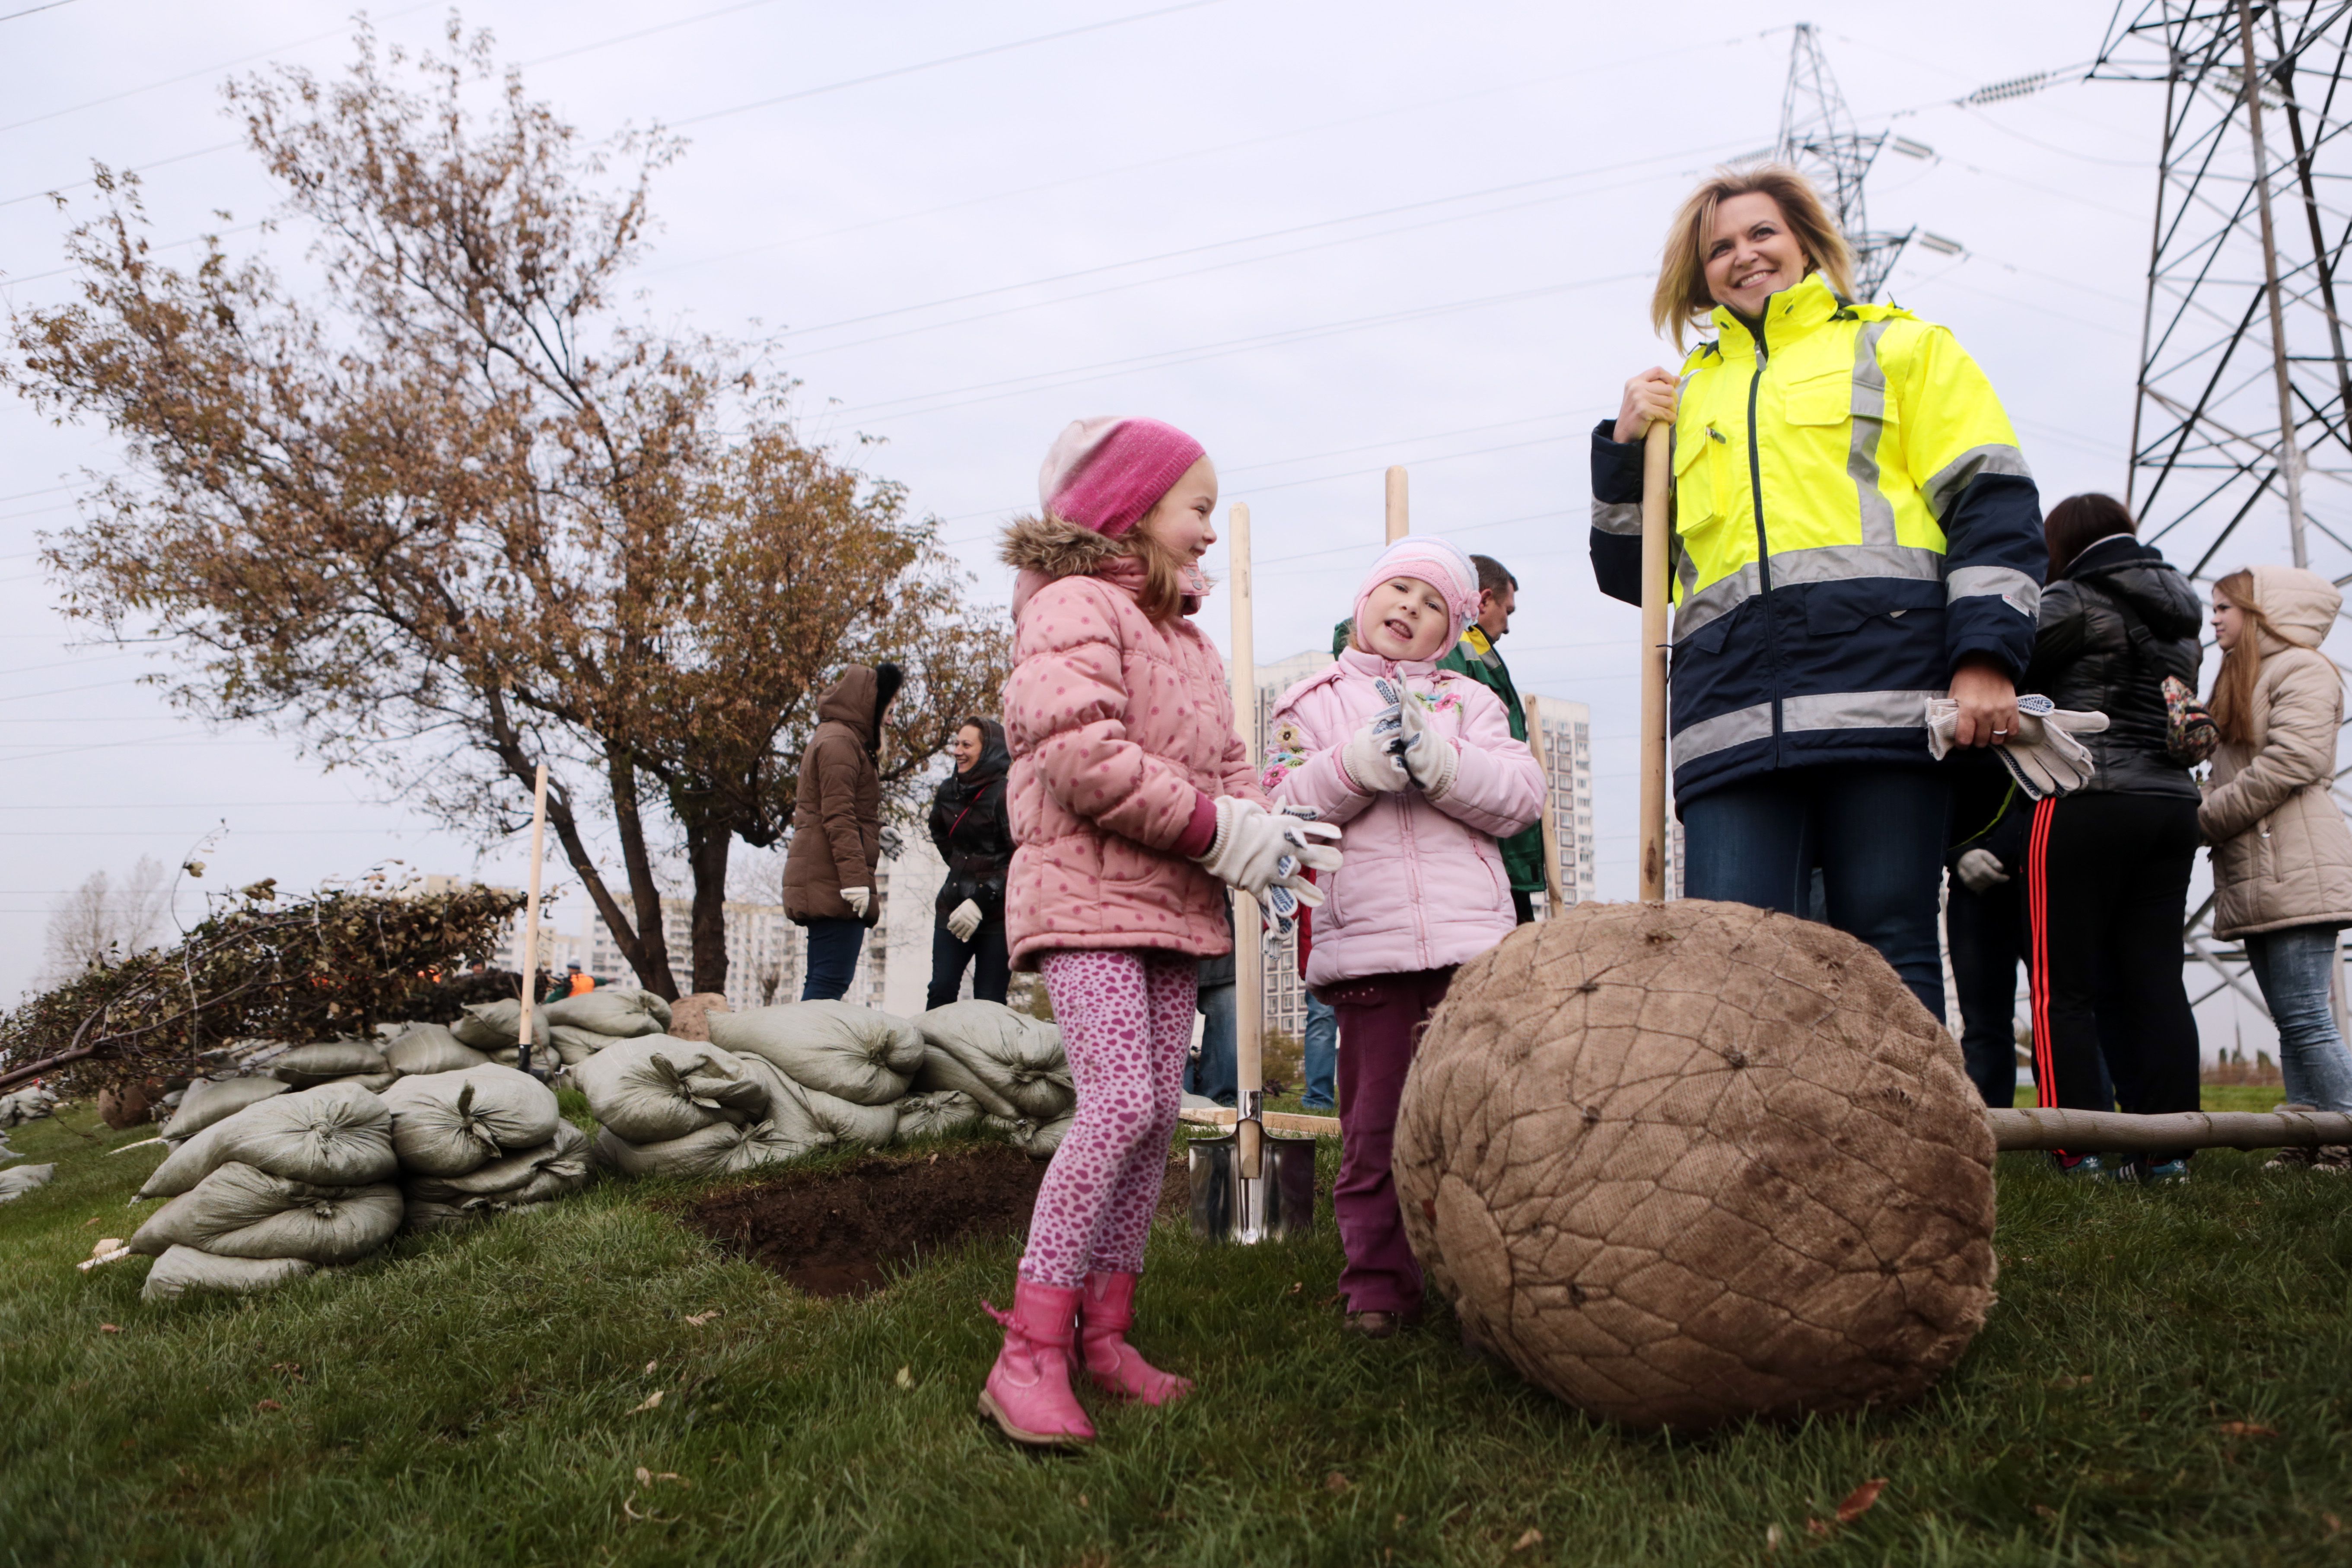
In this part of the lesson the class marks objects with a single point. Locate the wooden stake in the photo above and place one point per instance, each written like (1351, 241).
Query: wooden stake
(1249, 951)
(1657, 476)
(531, 918)
(1398, 524)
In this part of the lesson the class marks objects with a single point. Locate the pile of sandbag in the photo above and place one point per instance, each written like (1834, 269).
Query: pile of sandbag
(573, 1028)
(983, 1061)
(267, 1182)
(487, 1140)
(268, 1193)
(23, 1105)
(782, 1081)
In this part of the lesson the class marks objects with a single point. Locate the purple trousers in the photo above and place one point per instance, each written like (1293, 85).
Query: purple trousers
(1381, 1018)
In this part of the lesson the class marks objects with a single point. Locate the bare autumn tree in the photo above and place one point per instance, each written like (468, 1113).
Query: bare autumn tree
(452, 511)
(103, 921)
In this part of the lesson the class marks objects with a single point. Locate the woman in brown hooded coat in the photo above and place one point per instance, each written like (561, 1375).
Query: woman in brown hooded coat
(2281, 853)
(837, 828)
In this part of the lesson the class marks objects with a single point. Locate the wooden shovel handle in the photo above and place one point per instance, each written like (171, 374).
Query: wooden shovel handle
(1657, 481)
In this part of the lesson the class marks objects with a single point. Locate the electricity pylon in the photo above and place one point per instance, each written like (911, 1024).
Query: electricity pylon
(1818, 137)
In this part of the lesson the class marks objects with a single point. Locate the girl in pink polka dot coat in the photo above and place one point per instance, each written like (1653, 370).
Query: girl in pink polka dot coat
(1134, 811)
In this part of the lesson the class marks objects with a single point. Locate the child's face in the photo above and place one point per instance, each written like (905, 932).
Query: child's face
(1405, 619)
(1184, 520)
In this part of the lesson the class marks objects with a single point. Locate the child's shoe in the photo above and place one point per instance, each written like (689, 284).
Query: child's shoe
(1105, 1314)
(1028, 1389)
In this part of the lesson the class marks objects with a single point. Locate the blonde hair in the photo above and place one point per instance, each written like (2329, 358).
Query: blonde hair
(1161, 598)
(1682, 298)
(2233, 702)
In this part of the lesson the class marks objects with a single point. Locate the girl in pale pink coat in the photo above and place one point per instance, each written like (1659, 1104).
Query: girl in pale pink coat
(1133, 811)
(1417, 766)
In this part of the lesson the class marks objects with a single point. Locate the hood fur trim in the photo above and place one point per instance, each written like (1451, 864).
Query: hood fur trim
(1056, 549)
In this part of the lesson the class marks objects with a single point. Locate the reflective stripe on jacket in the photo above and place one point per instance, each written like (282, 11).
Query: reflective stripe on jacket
(1852, 518)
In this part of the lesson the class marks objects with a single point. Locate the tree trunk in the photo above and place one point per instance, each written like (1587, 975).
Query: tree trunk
(707, 850)
(652, 959)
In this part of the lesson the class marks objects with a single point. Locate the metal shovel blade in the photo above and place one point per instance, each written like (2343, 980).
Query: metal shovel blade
(1275, 1205)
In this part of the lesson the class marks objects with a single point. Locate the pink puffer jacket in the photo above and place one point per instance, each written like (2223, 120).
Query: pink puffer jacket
(1424, 886)
(1117, 725)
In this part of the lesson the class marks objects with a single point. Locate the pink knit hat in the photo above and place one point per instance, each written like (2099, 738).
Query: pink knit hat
(1432, 560)
(1105, 473)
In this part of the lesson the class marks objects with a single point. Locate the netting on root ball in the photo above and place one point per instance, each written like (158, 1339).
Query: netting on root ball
(1688, 1162)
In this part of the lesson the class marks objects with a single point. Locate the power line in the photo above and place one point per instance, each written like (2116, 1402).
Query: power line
(190, 76)
(808, 92)
(30, 10)
(1168, 359)
(1204, 152)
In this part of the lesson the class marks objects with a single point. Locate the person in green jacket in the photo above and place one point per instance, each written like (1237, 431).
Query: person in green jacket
(1476, 656)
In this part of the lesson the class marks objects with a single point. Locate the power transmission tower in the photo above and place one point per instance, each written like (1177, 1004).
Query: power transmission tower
(2239, 450)
(1818, 137)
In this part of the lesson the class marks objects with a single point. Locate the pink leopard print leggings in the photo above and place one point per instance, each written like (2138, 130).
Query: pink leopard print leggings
(1127, 1023)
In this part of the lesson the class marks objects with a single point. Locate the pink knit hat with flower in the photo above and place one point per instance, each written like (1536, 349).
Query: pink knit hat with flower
(1105, 473)
(1432, 560)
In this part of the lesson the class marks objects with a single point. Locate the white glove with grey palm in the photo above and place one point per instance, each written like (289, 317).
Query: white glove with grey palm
(1263, 853)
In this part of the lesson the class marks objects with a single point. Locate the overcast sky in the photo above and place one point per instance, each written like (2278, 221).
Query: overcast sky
(1324, 237)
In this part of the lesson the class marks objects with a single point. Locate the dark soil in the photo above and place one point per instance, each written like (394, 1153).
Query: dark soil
(840, 1232)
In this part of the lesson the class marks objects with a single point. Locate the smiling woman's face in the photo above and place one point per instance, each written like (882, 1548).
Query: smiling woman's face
(1750, 255)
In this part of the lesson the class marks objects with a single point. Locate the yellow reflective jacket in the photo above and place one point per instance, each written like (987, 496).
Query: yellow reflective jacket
(1851, 518)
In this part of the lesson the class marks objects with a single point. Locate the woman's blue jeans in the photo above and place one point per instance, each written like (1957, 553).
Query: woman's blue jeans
(1877, 833)
(2291, 967)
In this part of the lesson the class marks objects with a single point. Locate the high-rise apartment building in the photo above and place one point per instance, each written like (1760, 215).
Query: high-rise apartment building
(1563, 734)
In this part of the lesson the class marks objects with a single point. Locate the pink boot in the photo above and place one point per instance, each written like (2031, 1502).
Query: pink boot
(1028, 1390)
(1103, 1320)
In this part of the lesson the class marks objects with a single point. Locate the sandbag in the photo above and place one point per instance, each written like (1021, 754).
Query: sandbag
(852, 1052)
(337, 1135)
(18, 1180)
(498, 1026)
(707, 1152)
(185, 1268)
(573, 1046)
(430, 1048)
(239, 1212)
(656, 1088)
(209, 1101)
(1038, 1139)
(1016, 1058)
(373, 1082)
(535, 1176)
(617, 1012)
(935, 1115)
(308, 1067)
(447, 1123)
(20, 1106)
(943, 1074)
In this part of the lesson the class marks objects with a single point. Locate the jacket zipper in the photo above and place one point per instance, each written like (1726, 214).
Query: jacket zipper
(1756, 503)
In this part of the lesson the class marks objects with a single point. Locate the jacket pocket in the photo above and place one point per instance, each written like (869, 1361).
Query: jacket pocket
(1126, 862)
(1697, 495)
(1826, 399)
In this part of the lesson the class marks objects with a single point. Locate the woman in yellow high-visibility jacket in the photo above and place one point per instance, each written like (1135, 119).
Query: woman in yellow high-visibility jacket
(1854, 532)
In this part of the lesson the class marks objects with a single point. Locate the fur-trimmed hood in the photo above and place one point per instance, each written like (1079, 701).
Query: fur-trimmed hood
(1045, 549)
(1046, 544)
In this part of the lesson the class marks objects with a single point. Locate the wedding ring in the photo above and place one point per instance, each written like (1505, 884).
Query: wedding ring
(1998, 730)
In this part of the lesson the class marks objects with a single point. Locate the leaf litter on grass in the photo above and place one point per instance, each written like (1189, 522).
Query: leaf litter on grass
(501, 1443)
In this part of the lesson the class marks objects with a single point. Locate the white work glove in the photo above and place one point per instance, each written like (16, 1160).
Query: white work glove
(1369, 757)
(1263, 853)
(2043, 756)
(1429, 758)
(1980, 871)
(857, 898)
(962, 920)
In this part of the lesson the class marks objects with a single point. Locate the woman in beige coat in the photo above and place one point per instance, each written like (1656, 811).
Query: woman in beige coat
(2282, 853)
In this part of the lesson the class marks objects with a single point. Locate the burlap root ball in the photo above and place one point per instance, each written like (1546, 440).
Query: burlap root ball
(1688, 1162)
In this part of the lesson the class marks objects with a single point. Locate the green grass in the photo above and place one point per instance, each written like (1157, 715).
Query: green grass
(468, 1399)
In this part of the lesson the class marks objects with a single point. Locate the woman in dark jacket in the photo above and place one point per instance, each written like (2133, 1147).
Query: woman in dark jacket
(2107, 867)
(972, 827)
